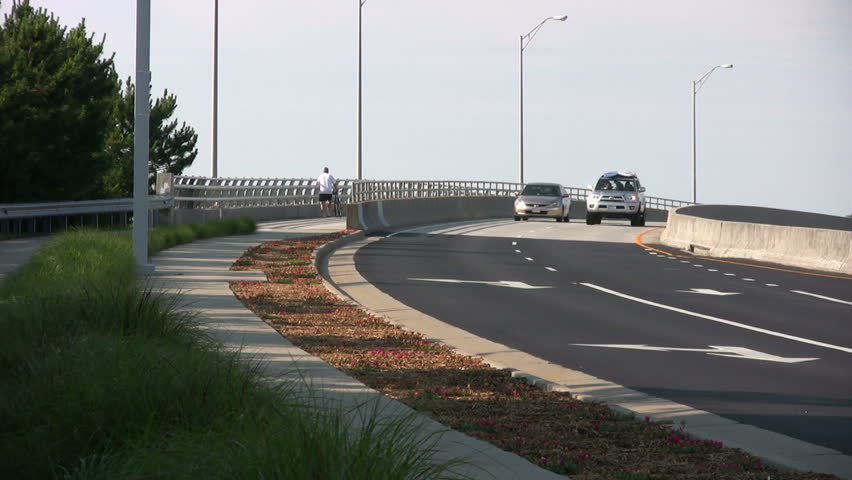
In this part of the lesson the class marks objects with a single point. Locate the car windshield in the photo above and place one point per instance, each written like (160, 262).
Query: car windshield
(541, 191)
(617, 183)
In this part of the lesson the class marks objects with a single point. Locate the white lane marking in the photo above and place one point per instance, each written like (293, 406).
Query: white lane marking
(748, 279)
(712, 270)
(822, 297)
(730, 274)
(708, 291)
(684, 261)
(501, 283)
(730, 352)
(719, 320)
(647, 249)
(550, 268)
(514, 243)
(771, 284)
(652, 253)
(699, 266)
(529, 259)
(672, 258)
(517, 251)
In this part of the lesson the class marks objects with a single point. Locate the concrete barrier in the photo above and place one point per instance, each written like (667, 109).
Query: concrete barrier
(385, 214)
(812, 248)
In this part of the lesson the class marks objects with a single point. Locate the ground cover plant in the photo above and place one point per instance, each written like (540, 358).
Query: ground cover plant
(585, 440)
(102, 378)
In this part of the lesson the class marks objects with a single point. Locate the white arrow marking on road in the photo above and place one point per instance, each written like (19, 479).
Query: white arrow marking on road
(501, 283)
(730, 352)
(708, 291)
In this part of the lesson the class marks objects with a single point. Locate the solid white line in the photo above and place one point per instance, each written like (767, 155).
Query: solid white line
(720, 320)
(822, 297)
(529, 259)
(550, 268)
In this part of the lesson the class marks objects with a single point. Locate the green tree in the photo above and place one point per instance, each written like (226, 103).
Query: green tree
(57, 94)
(172, 147)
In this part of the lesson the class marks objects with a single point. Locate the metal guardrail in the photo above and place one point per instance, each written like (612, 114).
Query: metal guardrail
(209, 193)
(368, 190)
(400, 189)
(24, 217)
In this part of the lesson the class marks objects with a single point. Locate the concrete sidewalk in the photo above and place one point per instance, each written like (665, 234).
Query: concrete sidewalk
(199, 271)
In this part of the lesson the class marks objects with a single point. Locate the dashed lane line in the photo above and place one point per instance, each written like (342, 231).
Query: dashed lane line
(550, 268)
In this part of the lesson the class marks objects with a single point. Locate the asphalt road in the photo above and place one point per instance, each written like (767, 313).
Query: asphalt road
(763, 347)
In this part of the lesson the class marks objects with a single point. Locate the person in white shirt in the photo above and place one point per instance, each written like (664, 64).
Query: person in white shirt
(325, 182)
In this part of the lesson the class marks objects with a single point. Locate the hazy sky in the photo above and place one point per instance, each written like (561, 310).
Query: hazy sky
(610, 88)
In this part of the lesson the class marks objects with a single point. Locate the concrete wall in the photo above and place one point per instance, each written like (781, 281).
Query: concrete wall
(813, 248)
(387, 214)
(384, 214)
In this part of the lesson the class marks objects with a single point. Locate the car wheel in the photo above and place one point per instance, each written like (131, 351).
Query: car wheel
(590, 219)
(559, 219)
(525, 218)
(517, 218)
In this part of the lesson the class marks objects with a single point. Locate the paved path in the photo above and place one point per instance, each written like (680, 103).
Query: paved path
(199, 270)
(16, 252)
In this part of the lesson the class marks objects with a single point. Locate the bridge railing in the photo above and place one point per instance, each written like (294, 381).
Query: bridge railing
(35, 217)
(369, 190)
(214, 193)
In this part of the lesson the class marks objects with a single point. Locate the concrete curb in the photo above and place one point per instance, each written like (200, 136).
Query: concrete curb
(811, 248)
(779, 450)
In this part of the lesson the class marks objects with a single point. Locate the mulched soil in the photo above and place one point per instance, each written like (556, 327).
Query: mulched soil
(586, 440)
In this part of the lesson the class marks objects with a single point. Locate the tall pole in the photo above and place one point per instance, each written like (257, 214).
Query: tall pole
(214, 128)
(694, 181)
(358, 127)
(140, 135)
(521, 114)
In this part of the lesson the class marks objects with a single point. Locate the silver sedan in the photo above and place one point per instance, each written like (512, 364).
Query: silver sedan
(545, 200)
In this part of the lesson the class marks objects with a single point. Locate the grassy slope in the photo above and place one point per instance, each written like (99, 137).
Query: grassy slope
(101, 378)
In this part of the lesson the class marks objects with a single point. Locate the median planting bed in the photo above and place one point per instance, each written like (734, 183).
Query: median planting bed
(554, 430)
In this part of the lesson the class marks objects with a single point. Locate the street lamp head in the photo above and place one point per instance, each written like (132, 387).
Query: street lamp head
(561, 18)
(727, 65)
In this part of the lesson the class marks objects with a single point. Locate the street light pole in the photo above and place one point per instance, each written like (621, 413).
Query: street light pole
(141, 140)
(696, 86)
(214, 135)
(358, 173)
(528, 38)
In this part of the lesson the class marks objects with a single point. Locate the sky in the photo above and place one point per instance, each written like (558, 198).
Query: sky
(608, 89)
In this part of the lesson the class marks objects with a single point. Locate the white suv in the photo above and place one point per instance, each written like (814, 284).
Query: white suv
(616, 195)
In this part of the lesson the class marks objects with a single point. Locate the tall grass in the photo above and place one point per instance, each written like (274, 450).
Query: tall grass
(100, 378)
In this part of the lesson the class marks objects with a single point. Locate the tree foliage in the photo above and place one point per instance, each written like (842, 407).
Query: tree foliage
(56, 99)
(66, 119)
(172, 148)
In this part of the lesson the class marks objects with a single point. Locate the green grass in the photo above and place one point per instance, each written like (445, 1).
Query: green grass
(101, 378)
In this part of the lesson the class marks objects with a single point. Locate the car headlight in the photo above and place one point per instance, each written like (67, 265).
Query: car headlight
(555, 203)
(632, 197)
(520, 203)
(594, 196)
